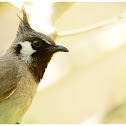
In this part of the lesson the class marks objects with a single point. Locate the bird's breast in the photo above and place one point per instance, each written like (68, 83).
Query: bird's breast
(14, 108)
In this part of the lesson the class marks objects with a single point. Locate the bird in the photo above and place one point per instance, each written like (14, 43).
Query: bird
(22, 67)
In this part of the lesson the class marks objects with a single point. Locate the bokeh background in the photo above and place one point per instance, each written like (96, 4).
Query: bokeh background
(88, 84)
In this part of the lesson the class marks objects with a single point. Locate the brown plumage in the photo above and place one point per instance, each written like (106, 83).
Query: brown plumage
(21, 69)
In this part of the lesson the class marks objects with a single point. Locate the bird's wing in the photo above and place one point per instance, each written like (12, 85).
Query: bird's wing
(8, 79)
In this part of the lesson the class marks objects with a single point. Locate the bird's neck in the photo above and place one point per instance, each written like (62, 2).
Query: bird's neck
(38, 67)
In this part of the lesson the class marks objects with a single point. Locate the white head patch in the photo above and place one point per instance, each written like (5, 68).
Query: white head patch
(27, 49)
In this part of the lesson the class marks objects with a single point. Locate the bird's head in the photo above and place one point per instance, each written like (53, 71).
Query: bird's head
(34, 48)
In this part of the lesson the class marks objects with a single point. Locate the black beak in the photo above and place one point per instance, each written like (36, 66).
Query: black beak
(57, 48)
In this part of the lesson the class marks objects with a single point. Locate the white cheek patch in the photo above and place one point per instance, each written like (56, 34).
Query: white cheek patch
(27, 49)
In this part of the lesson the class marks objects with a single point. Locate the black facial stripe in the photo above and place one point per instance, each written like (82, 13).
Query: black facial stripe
(44, 44)
(18, 49)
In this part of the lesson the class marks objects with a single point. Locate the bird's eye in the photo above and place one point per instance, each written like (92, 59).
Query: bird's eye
(37, 43)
